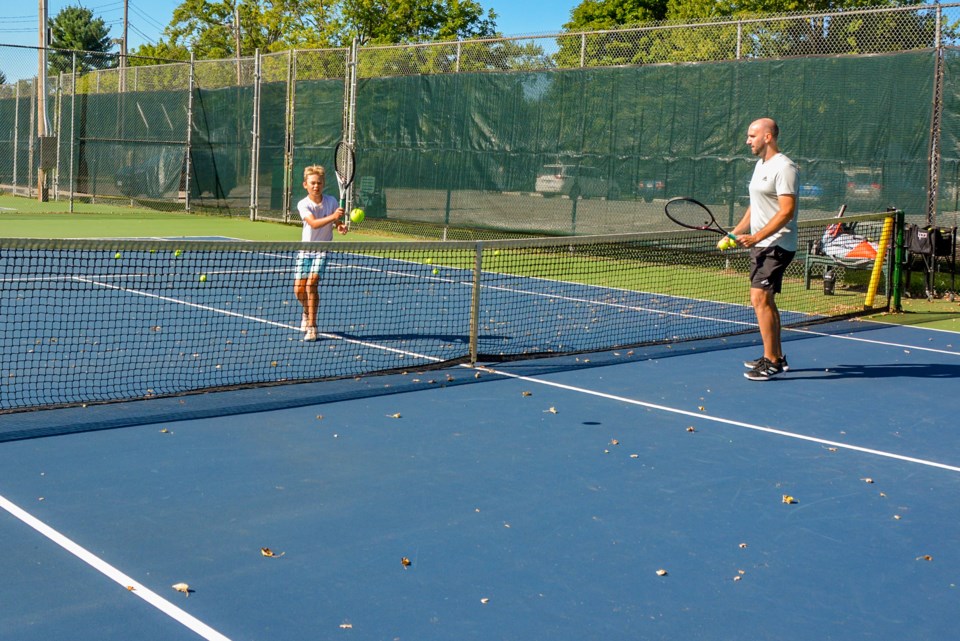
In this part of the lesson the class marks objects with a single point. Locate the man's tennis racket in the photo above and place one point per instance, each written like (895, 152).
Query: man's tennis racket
(343, 165)
(693, 214)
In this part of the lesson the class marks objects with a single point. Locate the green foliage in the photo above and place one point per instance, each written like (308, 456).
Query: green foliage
(399, 21)
(593, 15)
(75, 29)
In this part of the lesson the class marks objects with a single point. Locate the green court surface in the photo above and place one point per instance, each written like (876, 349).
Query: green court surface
(28, 218)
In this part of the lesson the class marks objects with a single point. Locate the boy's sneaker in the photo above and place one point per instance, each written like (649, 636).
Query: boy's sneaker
(310, 335)
(753, 364)
(764, 371)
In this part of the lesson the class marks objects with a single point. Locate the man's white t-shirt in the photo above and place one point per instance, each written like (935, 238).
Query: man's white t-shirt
(773, 178)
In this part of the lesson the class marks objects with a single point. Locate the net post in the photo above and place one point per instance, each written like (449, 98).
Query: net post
(898, 261)
(475, 302)
(882, 252)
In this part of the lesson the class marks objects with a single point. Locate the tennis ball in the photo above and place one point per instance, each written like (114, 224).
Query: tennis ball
(436, 271)
(429, 261)
(357, 215)
(118, 255)
(177, 253)
(203, 278)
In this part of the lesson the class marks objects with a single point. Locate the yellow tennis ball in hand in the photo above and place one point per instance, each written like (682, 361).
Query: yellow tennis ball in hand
(357, 215)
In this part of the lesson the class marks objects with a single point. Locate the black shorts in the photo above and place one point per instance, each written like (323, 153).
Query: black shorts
(767, 266)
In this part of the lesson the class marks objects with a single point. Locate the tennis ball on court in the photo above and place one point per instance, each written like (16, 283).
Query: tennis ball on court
(429, 261)
(436, 271)
(118, 255)
(496, 252)
(357, 215)
(203, 278)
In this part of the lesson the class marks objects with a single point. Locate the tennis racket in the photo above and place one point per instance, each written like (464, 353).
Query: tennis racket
(343, 165)
(693, 214)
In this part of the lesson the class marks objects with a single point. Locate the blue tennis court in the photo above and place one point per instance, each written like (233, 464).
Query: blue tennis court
(622, 494)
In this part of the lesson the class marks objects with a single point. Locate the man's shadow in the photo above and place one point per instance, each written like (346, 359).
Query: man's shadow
(899, 370)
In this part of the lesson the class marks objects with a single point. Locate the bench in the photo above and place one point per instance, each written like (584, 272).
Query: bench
(821, 263)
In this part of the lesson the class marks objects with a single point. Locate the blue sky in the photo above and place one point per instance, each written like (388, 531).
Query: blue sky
(147, 18)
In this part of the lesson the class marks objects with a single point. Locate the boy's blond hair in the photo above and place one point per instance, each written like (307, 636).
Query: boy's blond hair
(314, 170)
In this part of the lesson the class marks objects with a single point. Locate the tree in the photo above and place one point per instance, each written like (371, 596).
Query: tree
(592, 15)
(75, 29)
(209, 28)
(402, 21)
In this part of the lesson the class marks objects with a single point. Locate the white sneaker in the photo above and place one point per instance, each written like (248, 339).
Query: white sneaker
(310, 335)
(304, 326)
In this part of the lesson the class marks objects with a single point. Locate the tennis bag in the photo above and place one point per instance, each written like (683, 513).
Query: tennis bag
(841, 241)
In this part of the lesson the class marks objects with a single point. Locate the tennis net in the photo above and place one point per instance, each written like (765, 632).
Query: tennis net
(91, 321)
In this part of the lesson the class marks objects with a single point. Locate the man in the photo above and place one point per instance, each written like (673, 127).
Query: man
(769, 229)
(319, 213)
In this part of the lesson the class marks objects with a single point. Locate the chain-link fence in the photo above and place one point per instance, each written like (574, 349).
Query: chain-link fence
(565, 133)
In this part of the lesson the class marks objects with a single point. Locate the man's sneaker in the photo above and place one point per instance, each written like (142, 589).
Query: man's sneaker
(310, 335)
(753, 364)
(764, 371)
(304, 324)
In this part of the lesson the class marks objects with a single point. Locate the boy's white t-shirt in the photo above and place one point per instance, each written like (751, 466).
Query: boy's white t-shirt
(306, 207)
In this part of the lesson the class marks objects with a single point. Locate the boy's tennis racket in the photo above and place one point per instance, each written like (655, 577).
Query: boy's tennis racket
(693, 214)
(343, 165)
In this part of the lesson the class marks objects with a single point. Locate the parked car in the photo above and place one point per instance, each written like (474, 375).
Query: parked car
(864, 185)
(650, 188)
(573, 181)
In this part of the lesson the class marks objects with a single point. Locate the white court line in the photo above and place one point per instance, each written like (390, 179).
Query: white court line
(873, 341)
(726, 421)
(113, 573)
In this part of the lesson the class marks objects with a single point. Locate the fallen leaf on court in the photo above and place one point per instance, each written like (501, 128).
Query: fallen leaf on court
(701, 408)
(346, 626)
(634, 456)
(789, 499)
(397, 415)
(867, 480)
(925, 557)
(527, 394)
(691, 429)
(405, 562)
(131, 588)
(165, 431)
(614, 442)
(831, 449)
(552, 410)
(182, 587)
(743, 546)
(484, 600)
(737, 578)
(661, 572)
(271, 553)
(897, 517)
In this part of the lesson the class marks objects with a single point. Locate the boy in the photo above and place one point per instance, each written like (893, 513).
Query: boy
(319, 213)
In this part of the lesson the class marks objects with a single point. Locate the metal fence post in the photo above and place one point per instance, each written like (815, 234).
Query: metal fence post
(255, 139)
(189, 149)
(73, 124)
